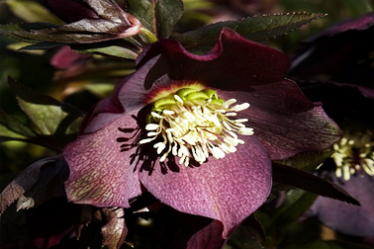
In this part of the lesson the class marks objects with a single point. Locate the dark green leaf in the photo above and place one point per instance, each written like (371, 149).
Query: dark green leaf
(249, 234)
(297, 178)
(113, 50)
(40, 46)
(144, 11)
(158, 16)
(49, 115)
(255, 28)
(296, 203)
(168, 12)
(331, 244)
(307, 161)
(12, 129)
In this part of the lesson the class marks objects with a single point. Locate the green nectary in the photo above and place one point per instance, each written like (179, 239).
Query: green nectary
(186, 95)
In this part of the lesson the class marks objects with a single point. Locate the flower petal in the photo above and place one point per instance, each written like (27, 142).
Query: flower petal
(100, 170)
(285, 121)
(254, 63)
(228, 189)
(346, 218)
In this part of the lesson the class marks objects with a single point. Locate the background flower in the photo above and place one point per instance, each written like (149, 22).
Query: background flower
(336, 67)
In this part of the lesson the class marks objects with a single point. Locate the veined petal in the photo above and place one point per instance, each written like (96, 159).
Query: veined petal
(285, 121)
(228, 189)
(100, 170)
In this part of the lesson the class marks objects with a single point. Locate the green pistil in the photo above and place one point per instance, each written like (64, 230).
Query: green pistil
(165, 101)
(211, 94)
(184, 92)
(186, 95)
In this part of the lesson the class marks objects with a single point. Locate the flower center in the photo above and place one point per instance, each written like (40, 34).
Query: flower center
(353, 155)
(195, 124)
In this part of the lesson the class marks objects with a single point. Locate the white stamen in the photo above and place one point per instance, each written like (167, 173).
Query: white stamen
(156, 115)
(240, 107)
(178, 99)
(354, 156)
(197, 129)
(146, 140)
(241, 120)
(168, 112)
(228, 103)
(151, 127)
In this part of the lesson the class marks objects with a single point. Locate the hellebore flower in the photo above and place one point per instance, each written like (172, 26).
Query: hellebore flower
(339, 59)
(196, 131)
(342, 54)
(354, 160)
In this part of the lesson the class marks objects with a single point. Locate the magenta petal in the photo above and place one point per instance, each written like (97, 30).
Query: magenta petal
(235, 63)
(229, 189)
(65, 58)
(285, 121)
(100, 173)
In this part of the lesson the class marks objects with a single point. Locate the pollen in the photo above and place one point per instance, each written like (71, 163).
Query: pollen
(354, 155)
(195, 124)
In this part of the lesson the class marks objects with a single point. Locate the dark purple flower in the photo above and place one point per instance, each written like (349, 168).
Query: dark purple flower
(342, 54)
(172, 129)
(339, 62)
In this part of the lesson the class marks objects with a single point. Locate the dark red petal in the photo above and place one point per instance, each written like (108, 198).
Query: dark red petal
(346, 218)
(100, 170)
(235, 63)
(229, 189)
(285, 121)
